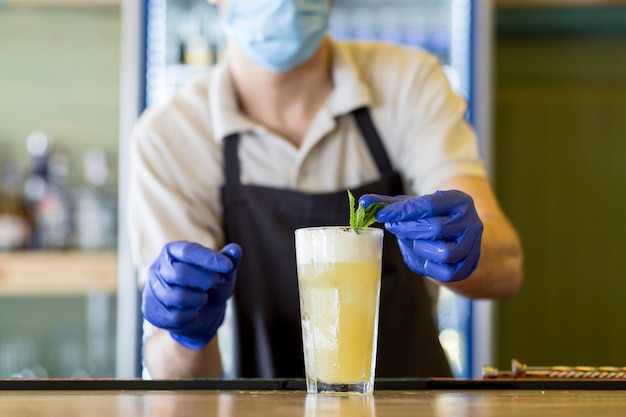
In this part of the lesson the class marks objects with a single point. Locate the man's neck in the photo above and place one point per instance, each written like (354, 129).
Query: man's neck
(287, 102)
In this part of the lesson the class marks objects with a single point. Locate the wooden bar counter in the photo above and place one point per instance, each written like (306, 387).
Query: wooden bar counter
(422, 398)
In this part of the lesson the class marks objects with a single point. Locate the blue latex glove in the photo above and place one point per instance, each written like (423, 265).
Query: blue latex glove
(187, 289)
(439, 234)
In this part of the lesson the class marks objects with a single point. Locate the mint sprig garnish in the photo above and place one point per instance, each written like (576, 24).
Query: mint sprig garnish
(362, 217)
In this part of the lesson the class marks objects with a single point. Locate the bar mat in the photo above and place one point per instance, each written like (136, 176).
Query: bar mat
(299, 384)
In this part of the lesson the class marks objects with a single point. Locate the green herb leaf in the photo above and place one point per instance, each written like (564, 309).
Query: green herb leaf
(362, 217)
(370, 213)
(352, 214)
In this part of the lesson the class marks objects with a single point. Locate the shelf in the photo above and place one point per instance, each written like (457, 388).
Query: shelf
(559, 3)
(57, 273)
(66, 2)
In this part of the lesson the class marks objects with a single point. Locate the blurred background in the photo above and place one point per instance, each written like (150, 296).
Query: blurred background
(546, 83)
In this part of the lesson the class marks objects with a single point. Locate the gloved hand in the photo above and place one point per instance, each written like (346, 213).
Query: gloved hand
(439, 234)
(187, 289)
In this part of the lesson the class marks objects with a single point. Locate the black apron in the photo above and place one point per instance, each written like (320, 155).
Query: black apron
(262, 220)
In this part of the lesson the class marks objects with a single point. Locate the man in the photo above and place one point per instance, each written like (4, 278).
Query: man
(269, 141)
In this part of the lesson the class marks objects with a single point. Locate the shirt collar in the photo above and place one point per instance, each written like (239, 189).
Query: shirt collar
(224, 110)
(349, 93)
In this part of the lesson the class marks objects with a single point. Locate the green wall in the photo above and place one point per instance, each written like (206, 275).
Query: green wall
(67, 336)
(59, 72)
(560, 162)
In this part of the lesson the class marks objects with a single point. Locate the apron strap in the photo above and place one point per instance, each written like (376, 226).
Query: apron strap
(231, 159)
(372, 138)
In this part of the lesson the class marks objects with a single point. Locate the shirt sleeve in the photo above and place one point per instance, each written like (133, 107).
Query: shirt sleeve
(174, 187)
(432, 142)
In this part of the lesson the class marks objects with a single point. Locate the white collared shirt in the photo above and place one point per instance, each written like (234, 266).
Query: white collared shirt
(177, 166)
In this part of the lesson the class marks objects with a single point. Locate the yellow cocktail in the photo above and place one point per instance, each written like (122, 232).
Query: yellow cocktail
(339, 282)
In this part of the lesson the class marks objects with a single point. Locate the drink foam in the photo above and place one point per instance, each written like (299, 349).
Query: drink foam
(338, 244)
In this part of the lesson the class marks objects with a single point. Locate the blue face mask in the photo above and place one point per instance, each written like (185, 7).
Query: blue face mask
(277, 34)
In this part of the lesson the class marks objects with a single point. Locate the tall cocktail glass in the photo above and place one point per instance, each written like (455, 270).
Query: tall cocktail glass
(339, 272)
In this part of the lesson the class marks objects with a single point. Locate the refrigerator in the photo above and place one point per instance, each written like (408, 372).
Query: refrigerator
(166, 43)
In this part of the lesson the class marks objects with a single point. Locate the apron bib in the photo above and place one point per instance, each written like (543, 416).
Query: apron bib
(263, 220)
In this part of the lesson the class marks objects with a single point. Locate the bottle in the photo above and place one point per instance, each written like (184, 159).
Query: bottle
(56, 210)
(46, 193)
(339, 26)
(389, 25)
(414, 26)
(363, 19)
(14, 222)
(95, 217)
